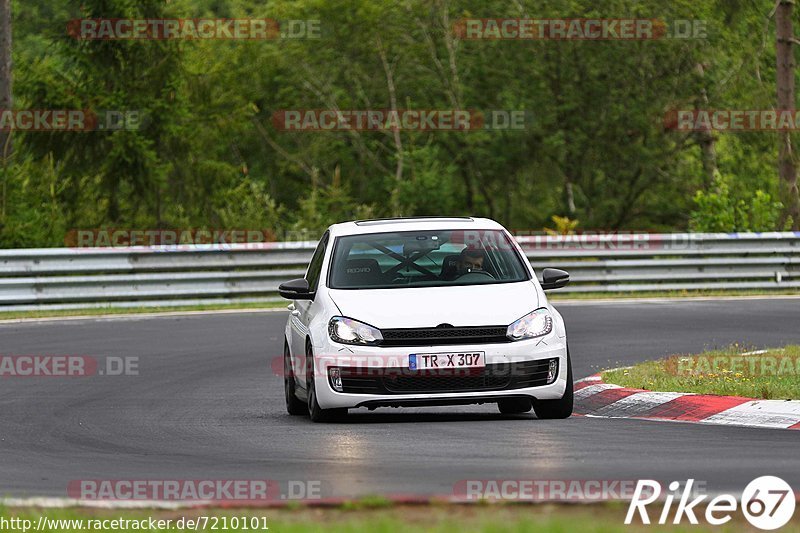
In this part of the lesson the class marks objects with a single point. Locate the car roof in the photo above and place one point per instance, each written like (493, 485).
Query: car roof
(384, 225)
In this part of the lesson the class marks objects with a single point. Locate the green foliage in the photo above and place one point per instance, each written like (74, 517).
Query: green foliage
(719, 210)
(563, 226)
(208, 155)
(249, 206)
(31, 214)
(430, 187)
(326, 206)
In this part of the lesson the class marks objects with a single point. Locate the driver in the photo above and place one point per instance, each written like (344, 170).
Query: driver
(471, 260)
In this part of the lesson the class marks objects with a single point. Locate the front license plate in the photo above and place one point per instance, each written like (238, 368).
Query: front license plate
(425, 361)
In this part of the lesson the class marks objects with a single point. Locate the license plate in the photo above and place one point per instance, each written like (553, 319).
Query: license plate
(425, 361)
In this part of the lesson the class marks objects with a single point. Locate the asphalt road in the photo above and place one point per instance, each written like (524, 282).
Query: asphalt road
(206, 405)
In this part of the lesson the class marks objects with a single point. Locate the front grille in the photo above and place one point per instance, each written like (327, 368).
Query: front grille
(455, 383)
(494, 377)
(444, 335)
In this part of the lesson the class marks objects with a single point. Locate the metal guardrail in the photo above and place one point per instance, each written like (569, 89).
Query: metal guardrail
(66, 278)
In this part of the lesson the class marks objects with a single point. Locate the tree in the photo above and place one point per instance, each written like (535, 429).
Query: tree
(594, 146)
(787, 169)
(5, 74)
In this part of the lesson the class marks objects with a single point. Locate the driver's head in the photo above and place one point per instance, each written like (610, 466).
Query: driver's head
(471, 260)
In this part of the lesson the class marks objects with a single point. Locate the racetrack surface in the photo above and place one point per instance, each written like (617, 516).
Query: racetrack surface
(206, 405)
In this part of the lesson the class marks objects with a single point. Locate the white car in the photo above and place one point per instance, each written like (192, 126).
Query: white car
(424, 311)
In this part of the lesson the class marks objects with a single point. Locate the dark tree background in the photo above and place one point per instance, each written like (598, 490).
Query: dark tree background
(595, 149)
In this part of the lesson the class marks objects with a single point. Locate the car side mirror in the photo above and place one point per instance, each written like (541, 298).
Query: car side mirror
(297, 289)
(553, 278)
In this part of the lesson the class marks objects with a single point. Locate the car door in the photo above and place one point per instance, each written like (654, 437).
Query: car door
(302, 313)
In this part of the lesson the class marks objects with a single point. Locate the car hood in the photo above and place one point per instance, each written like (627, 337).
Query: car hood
(472, 305)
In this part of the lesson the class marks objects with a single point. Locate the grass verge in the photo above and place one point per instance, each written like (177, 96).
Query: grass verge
(774, 374)
(688, 294)
(555, 296)
(496, 518)
(101, 311)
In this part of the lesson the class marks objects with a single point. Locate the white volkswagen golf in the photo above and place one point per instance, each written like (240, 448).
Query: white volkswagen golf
(420, 312)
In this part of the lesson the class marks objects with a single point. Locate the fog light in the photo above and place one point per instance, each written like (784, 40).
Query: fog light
(552, 371)
(335, 375)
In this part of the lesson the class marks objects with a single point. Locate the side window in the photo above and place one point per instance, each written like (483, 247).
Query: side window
(315, 267)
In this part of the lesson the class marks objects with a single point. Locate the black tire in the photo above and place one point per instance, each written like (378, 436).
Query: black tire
(294, 406)
(315, 412)
(514, 406)
(557, 409)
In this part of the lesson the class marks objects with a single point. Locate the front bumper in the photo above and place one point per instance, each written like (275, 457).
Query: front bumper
(376, 358)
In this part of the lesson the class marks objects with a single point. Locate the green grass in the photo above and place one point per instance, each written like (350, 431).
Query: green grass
(368, 502)
(599, 518)
(772, 375)
(110, 310)
(555, 295)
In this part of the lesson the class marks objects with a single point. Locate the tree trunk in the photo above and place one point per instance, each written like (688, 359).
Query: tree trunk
(787, 170)
(398, 142)
(5, 74)
(706, 137)
(570, 198)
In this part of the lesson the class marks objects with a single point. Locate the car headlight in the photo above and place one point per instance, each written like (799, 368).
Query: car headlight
(535, 324)
(349, 331)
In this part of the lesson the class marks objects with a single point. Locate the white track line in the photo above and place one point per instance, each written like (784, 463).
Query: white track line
(594, 389)
(637, 403)
(759, 413)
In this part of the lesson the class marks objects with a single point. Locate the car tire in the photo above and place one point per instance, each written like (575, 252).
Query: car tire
(514, 406)
(557, 409)
(315, 412)
(294, 406)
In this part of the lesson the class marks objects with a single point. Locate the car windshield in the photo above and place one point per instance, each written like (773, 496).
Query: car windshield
(425, 259)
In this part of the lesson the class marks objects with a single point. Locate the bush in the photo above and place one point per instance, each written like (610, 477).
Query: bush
(719, 210)
(31, 215)
(326, 206)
